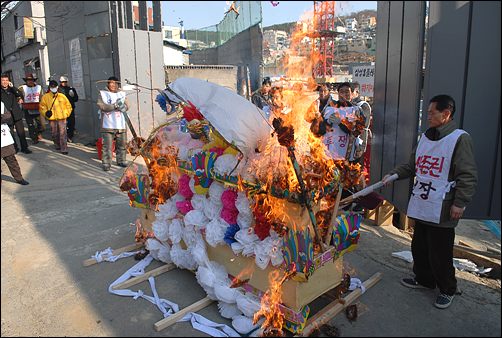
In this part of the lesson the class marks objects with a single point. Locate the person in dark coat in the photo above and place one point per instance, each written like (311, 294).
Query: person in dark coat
(11, 99)
(72, 96)
(8, 152)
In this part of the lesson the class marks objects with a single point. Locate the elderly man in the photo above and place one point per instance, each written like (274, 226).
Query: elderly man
(32, 94)
(72, 96)
(445, 174)
(111, 103)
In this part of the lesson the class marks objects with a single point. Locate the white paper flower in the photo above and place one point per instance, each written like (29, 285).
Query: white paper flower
(225, 293)
(198, 202)
(243, 324)
(182, 258)
(175, 230)
(228, 310)
(243, 204)
(159, 251)
(161, 229)
(215, 232)
(244, 220)
(196, 218)
(212, 210)
(248, 304)
(215, 191)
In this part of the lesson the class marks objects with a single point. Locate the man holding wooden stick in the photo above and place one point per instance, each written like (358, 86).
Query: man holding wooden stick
(445, 180)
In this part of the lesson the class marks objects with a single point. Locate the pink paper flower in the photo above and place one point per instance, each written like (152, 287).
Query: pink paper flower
(184, 206)
(229, 215)
(184, 186)
(228, 199)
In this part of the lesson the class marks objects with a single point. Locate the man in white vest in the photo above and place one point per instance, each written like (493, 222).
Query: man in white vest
(111, 103)
(8, 151)
(444, 168)
(32, 93)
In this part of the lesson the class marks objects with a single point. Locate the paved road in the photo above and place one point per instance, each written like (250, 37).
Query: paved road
(72, 208)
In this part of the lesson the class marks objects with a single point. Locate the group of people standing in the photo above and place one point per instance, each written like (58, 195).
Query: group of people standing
(29, 101)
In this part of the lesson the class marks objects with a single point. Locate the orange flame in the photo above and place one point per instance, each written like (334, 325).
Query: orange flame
(270, 309)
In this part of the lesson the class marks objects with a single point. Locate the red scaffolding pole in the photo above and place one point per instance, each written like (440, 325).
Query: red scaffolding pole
(324, 38)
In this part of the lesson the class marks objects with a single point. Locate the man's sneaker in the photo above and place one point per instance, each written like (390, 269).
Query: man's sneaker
(106, 168)
(443, 301)
(26, 151)
(412, 283)
(123, 165)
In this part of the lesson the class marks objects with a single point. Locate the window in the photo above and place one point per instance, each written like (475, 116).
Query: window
(168, 34)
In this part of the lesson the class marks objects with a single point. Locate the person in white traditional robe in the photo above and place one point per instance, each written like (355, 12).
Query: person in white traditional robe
(111, 102)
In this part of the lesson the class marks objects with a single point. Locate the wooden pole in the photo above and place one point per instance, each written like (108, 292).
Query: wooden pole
(332, 309)
(166, 322)
(138, 279)
(327, 239)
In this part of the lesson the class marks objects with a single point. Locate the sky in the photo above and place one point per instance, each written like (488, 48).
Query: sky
(199, 14)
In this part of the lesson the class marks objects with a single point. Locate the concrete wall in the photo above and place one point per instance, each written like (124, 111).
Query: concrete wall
(223, 75)
(141, 62)
(174, 56)
(463, 60)
(244, 49)
(89, 22)
(13, 59)
(105, 50)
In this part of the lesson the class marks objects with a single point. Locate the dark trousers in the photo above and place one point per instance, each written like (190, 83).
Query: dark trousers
(432, 249)
(35, 125)
(70, 124)
(19, 125)
(120, 138)
(13, 166)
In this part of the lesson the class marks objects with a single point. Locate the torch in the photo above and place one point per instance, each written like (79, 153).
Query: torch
(286, 137)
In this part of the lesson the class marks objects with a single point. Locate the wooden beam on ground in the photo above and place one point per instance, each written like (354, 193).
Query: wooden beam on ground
(136, 280)
(333, 308)
(460, 248)
(166, 322)
(130, 247)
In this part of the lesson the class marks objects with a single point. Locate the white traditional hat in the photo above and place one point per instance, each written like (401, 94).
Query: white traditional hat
(63, 79)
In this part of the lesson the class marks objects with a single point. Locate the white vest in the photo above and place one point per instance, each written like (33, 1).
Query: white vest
(113, 119)
(432, 166)
(32, 94)
(337, 140)
(6, 135)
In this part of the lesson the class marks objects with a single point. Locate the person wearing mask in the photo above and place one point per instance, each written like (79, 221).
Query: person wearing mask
(12, 98)
(56, 108)
(32, 94)
(445, 179)
(8, 152)
(261, 98)
(111, 102)
(72, 96)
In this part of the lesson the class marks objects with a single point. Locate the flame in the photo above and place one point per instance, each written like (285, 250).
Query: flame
(244, 276)
(270, 305)
(163, 169)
